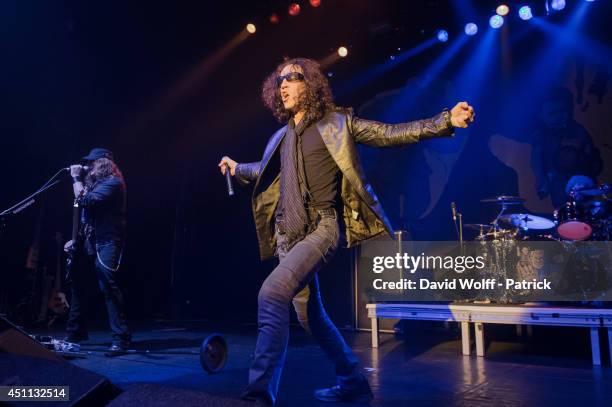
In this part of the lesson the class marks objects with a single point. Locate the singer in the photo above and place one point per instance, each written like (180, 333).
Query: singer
(99, 248)
(310, 197)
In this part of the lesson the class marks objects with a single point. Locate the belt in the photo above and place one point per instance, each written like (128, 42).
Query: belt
(323, 213)
(330, 212)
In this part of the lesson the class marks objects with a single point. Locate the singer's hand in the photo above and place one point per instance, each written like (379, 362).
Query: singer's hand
(462, 115)
(228, 162)
(69, 246)
(76, 170)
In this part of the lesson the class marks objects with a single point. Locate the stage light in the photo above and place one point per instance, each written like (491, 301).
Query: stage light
(274, 18)
(315, 3)
(442, 35)
(294, 9)
(496, 21)
(502, 10)
(342, 51)
(251, 28)
(525, 13)
(471, 29)
(557, 4)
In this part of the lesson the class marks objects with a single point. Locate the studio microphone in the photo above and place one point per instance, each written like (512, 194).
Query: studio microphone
(454, 209)
(85, 168)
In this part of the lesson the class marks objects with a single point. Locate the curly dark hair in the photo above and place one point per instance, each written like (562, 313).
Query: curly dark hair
(316, 100)
(102, 168)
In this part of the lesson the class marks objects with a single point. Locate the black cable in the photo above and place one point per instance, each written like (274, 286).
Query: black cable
(141, 352)
(51, 179)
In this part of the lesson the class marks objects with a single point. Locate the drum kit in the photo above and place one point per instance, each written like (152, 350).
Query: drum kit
(508, 240)
(586, 216)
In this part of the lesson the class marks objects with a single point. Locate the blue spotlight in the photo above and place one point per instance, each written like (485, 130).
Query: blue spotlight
(496, 21)
(471, 29)
(525, 13)
(557, 4)
(442, 35)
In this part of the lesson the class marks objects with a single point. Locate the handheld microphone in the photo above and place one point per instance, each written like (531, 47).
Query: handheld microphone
(454, 210)
(85, 168)
(228, 181)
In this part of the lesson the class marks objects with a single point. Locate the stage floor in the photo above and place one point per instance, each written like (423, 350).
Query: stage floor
(418, 370)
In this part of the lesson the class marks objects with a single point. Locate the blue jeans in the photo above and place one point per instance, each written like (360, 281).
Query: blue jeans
(295, 281)
(105, 262)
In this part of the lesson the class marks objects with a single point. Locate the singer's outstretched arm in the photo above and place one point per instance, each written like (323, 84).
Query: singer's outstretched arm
(376, 134)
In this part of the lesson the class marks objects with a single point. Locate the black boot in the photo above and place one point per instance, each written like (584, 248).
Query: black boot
(74, 337)
(358, 392)
(117, 348)
(260, 398)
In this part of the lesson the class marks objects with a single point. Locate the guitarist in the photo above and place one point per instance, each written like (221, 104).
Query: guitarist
(100, 192)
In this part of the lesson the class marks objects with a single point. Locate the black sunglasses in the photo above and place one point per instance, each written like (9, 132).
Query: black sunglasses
(291, 77)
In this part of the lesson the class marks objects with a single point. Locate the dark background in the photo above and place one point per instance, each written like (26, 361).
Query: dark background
(76, 75)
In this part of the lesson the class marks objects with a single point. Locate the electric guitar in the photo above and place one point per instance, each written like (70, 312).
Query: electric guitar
(57, 300)
(76, 235)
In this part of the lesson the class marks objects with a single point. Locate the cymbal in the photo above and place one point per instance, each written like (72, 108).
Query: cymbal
(603, 190)
(477, 226)
(501, 232)
(498, 234)
(505, 200)
(527, 221)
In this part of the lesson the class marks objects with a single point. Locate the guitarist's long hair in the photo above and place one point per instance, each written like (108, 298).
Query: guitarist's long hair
(103, 168)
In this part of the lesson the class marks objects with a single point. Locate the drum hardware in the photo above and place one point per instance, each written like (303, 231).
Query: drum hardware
(458, 216)
(478, 226)
(586, 215)
(491, 232)
(499, 244)
(571, 220)
(506, 202)
(507, 241)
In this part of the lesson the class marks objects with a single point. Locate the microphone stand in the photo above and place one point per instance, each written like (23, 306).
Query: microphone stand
(459, 227)
(20, 206)
(460, 215)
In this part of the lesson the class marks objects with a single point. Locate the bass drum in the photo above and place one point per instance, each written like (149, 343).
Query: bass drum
(577, 270)
(539, 257)
(534, 253)
(572, 222)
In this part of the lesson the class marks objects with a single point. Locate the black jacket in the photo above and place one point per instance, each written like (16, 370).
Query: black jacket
(105, 210)
(362, 213)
